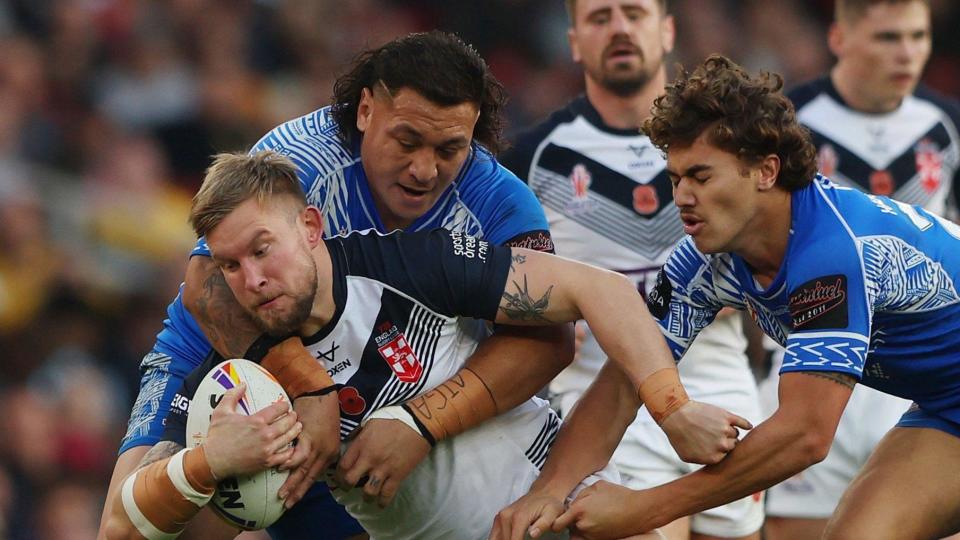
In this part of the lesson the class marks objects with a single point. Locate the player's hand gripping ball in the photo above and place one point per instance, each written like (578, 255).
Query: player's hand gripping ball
(249, 502)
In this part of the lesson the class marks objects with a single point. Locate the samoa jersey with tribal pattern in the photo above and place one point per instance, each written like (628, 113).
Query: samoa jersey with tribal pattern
(868, 287)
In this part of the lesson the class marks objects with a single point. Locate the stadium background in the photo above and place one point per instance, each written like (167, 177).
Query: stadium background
(109, 110)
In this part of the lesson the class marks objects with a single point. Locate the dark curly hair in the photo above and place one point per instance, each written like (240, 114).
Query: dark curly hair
(437, 65)
(746, 116)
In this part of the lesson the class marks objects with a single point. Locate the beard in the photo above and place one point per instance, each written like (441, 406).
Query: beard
(286, 324)
(624, 80)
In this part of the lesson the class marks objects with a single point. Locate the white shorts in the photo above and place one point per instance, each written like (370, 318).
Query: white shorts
(456, 492)
(714, 370)
(815, 492)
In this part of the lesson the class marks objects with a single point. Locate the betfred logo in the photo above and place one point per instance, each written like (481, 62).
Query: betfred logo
(827, 160)
(393, 347)
(881, 183)
(580, 179)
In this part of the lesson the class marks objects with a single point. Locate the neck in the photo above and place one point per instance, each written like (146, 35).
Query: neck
(625, 112)
(847, 85)
(766, 245)
(324, 306)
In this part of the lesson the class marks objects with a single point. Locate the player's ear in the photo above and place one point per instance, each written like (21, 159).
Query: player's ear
(767, 172)
(574, 47)
(835, 39)
(313, 222)
(668, 33)
(365, 110)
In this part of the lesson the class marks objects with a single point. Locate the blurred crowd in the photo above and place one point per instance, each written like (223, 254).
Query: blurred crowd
(109, 111)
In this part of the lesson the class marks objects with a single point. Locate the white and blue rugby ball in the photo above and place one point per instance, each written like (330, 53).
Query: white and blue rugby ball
(248, 502)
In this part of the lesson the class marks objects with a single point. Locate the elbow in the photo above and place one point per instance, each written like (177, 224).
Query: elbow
(117, 528)
(812, 448)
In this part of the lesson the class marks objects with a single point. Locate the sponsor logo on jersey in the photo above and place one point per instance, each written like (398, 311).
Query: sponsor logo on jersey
(468, 246)
(393, 347)
(228, 378)
(827, 159)
(820, 303)
(929, 165)
(535, 240)
(881, 183)
(645, 200)
(658, 301)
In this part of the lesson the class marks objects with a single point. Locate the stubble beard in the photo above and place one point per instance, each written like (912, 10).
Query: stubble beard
(289, 324)
(625, 83)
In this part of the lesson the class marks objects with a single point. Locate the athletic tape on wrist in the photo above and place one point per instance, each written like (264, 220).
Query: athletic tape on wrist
(663, 393)
(175, 468)
(297, 371)
(394, 412)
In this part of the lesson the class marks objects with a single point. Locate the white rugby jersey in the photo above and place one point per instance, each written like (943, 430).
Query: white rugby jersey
(399, 330)
(911, 154)
(609, 203)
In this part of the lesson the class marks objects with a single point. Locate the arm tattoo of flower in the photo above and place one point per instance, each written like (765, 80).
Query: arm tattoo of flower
(521, 306)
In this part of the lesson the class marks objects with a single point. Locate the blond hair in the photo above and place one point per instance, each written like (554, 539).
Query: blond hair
(233, 178)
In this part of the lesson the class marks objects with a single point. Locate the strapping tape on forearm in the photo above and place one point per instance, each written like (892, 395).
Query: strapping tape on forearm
(663, 394)
(297, 371)
(161, 498)
(453, 407)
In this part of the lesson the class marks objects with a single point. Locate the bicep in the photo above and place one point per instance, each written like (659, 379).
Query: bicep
(542, 289)
(815, 398)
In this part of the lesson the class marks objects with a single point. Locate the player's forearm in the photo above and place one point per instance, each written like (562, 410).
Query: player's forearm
(617, 315)
(517, 362)
(772, 452)
(590, 433)
(158, 499)
(223, 321)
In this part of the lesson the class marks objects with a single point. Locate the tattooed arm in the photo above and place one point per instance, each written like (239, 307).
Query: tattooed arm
(208, 298)
(545, 289)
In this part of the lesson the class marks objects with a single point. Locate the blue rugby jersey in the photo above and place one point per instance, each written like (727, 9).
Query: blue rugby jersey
(868, 287)
(485, 200)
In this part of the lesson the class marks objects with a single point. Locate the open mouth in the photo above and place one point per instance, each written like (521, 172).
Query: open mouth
(622, 52)
(691, 225)
(413, 192)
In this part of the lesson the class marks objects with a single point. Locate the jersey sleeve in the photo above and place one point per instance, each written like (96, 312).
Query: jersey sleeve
(683, 301)
(828, 308)
(451, 273)
(508, 210)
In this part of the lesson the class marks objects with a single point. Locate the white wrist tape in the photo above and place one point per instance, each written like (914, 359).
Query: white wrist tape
(140, 521)
(179, 479)
(393, 412)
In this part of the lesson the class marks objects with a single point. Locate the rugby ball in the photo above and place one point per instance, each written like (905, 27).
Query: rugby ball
(248, 502)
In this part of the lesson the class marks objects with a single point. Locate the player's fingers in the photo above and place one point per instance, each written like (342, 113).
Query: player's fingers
(351, 471)
(275, 412)
(564, 520)
(548, 516)
(740, 422)
(297, 464)
(278, 457)
(228, 403)
(388, 492)
(286, 491)
(281, 442)
(371, 489)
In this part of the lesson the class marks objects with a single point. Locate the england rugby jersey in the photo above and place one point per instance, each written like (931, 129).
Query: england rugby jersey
(396, 334)
(868, 287)
(485, 200)
(911, 154)
(609, 203)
